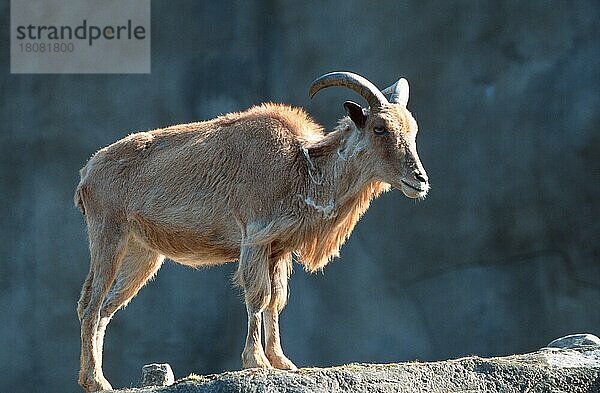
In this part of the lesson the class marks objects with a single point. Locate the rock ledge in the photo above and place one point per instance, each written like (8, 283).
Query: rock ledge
(547, 370)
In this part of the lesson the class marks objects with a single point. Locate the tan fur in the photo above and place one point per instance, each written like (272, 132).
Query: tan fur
(254, 186)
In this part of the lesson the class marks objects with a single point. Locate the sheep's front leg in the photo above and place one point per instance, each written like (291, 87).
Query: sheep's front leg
(280, 272)
(253, 277)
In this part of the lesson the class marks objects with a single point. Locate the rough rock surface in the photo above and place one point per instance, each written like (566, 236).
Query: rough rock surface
(547, 370)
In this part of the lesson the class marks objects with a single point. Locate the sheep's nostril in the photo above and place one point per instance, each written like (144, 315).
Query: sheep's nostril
(419, 176)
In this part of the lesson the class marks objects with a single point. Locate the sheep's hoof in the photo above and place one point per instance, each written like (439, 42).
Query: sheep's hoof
(95, 384)
(255, 359)
(281, 362)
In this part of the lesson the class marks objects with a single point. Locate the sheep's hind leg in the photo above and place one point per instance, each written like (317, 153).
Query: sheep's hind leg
(280, 272)
(253, 277)
(108, 241)
(86, 291)
(138, 266)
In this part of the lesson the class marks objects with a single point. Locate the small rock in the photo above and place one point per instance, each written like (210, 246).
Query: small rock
(575, 341)
(157, 375)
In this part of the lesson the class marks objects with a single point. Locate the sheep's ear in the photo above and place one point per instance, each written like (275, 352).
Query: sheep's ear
(356, 112)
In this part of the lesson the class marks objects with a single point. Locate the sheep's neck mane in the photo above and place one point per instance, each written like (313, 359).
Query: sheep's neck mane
(338, 192)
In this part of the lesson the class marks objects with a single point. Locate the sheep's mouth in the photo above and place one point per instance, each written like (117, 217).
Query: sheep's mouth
(418, 189)
(414, 191)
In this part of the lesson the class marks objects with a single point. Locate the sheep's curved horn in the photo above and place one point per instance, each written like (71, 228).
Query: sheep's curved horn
(399, 91)
(361, 85)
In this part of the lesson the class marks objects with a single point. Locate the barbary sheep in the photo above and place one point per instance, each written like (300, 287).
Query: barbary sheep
(254, 187)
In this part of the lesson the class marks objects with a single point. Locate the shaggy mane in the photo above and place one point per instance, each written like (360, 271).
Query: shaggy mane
(325, 241)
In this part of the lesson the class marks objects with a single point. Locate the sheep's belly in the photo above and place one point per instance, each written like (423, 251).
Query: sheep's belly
(198, 260)
(187, 246)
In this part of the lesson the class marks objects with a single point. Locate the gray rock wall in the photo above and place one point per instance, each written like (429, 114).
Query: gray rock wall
(500, 258)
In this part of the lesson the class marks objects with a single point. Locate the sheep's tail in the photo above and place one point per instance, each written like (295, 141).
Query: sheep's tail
(78, 199)
(80, 192)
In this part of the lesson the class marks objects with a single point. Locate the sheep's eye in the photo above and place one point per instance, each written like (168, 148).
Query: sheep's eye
(380, 130)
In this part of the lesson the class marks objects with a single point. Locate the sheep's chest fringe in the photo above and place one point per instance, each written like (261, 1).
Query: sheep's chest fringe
(327, 227)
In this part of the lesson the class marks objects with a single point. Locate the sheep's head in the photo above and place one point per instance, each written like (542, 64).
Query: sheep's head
(389, 129)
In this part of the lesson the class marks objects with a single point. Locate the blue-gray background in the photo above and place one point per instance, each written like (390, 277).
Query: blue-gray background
(502, 257)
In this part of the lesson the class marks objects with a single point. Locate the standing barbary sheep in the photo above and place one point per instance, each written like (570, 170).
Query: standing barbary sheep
(254, 187)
